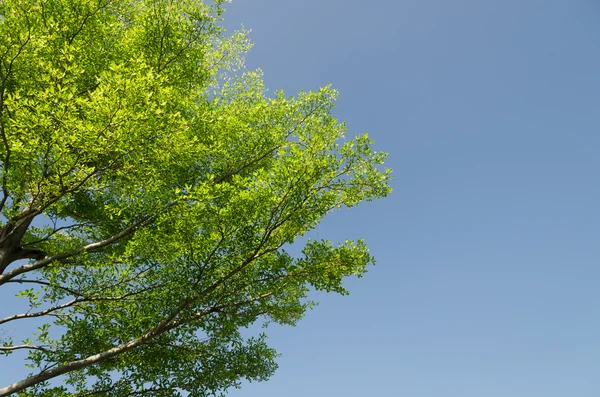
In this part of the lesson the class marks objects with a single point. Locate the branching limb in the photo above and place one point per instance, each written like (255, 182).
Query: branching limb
(88, 248)
(21, 347)
(57, 230)
(45, 283)
(74, 302)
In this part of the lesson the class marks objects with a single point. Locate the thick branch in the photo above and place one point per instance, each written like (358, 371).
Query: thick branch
(88, 248)
(20, 347)
(72, 366)
(161, 328)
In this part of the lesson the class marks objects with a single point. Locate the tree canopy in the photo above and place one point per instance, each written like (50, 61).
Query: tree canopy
(149, 189)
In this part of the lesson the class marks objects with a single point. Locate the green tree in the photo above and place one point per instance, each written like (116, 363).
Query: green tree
(149, 187)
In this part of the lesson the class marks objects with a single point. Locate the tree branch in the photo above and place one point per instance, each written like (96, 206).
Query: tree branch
(45, 283)
(20, 347)
(88, 248)
(74, 302)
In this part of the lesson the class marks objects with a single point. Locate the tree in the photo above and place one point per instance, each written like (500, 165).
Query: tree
(150, 187)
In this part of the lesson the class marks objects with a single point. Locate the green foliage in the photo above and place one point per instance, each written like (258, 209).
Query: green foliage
(149, 188)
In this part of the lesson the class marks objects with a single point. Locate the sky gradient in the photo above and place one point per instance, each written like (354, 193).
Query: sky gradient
(486, 283)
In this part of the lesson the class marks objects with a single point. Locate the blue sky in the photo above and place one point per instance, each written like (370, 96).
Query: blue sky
(487, 274)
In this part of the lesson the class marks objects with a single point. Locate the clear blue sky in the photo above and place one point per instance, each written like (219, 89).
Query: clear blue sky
(487, 276)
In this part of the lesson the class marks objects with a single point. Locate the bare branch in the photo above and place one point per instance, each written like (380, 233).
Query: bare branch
(45, 283)
(21, 347)
(56, 230)
(88, 248)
